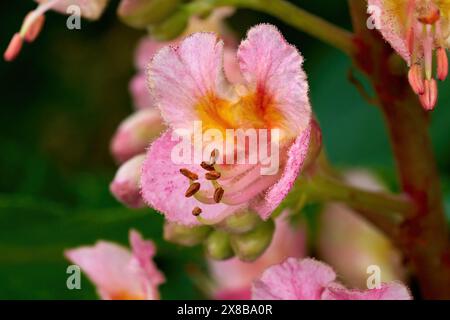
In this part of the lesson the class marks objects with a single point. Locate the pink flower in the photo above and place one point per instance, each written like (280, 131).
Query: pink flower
(118, 273)
(309, 279)
(416, 29)
(34, 21)
(126, 184)
(189, 85)
(136, 133)
(234, 278)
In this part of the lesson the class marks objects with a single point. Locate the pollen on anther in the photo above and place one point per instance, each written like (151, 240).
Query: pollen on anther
(218, 194)
(189, 174)
(192, 190)
(196, 211)
(207, 166)
(212, 175)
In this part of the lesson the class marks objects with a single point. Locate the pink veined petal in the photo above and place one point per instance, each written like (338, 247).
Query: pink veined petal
(297, 154)
(163, 187)
(273, 68)
(90, 9)
(294, 280)
(390, 27)
(181, 76)
(388, 291)
(107, 266)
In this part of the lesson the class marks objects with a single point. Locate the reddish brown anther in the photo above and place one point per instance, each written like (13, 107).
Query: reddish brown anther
(213, 175)
(196, 211)
(189, 174)
(415, 77)
(35, 28)
(429, 98)
(193, 189)
(207, 166)
(218, 194)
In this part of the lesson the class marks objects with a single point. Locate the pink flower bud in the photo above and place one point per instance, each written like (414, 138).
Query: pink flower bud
(126, 184)
(136, 133)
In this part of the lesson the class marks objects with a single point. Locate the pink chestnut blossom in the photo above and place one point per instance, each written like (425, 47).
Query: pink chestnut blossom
(417, 29)
(234, 278)
(118, 273)
(189, 85)
(309, 279)
(34, 21)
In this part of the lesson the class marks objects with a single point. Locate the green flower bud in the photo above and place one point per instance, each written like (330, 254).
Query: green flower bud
(241, 222)
(185, 236)
(218, 246)
(142, 13)
(250, 246)
(171, 28)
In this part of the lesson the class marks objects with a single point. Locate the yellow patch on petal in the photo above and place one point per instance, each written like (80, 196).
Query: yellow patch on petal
(125, 295)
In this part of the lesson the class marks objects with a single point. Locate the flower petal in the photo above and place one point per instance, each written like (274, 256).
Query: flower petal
(181, 76)
(297, 154)
(273, 69)
(294, 280)
(90, 9)
(163, 187)
(388, 291)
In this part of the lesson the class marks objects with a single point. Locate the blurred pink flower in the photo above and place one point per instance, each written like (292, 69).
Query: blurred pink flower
(309, 279)
(189, 85)
(416, 29)
(126, 184)
(234, 278)
(118, 273)
(351, 244)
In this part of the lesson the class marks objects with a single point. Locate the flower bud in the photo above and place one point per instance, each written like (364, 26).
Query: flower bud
(250, 246)
(126, 184)
(136, 133)
(185, 236)
(171, 28)
(218, 246)
(142, 13)
(241, 222)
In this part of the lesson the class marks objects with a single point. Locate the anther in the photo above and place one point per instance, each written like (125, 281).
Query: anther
(416, 79)
(214, 156)
(35, 28)
(207, 166)
(442, 63)
(14, 47)
(429, 98)
(193, 189)
(218, 194)
(213, 175)
(189, 174)
(196, 211)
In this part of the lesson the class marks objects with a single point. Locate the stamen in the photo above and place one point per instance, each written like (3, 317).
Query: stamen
(442, 63)
(189, 174)
(34, 28)
(14, 47)
(196, 211)
(428, 52)
(193, 189)
(429, 98)
(214, 156)
(207, 166)
(416, 79)
(218, 194)
(213, 175)
(429, 14)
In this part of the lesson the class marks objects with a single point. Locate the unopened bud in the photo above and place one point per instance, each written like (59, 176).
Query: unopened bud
(250, 246)
(171, 28)
(135, 134)
(185, 236)
(218, 246)
(126, 184)
(142, 13)
(241, 222)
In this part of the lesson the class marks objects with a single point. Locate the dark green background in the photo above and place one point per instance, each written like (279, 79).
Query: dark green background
(60, 104)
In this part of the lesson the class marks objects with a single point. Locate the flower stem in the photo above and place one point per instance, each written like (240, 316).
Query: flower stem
(288, 13)
(423, 237)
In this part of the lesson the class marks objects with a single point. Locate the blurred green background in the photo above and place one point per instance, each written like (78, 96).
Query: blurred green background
(61, 101)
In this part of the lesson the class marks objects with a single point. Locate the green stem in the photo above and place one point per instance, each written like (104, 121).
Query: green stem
(288, 13)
